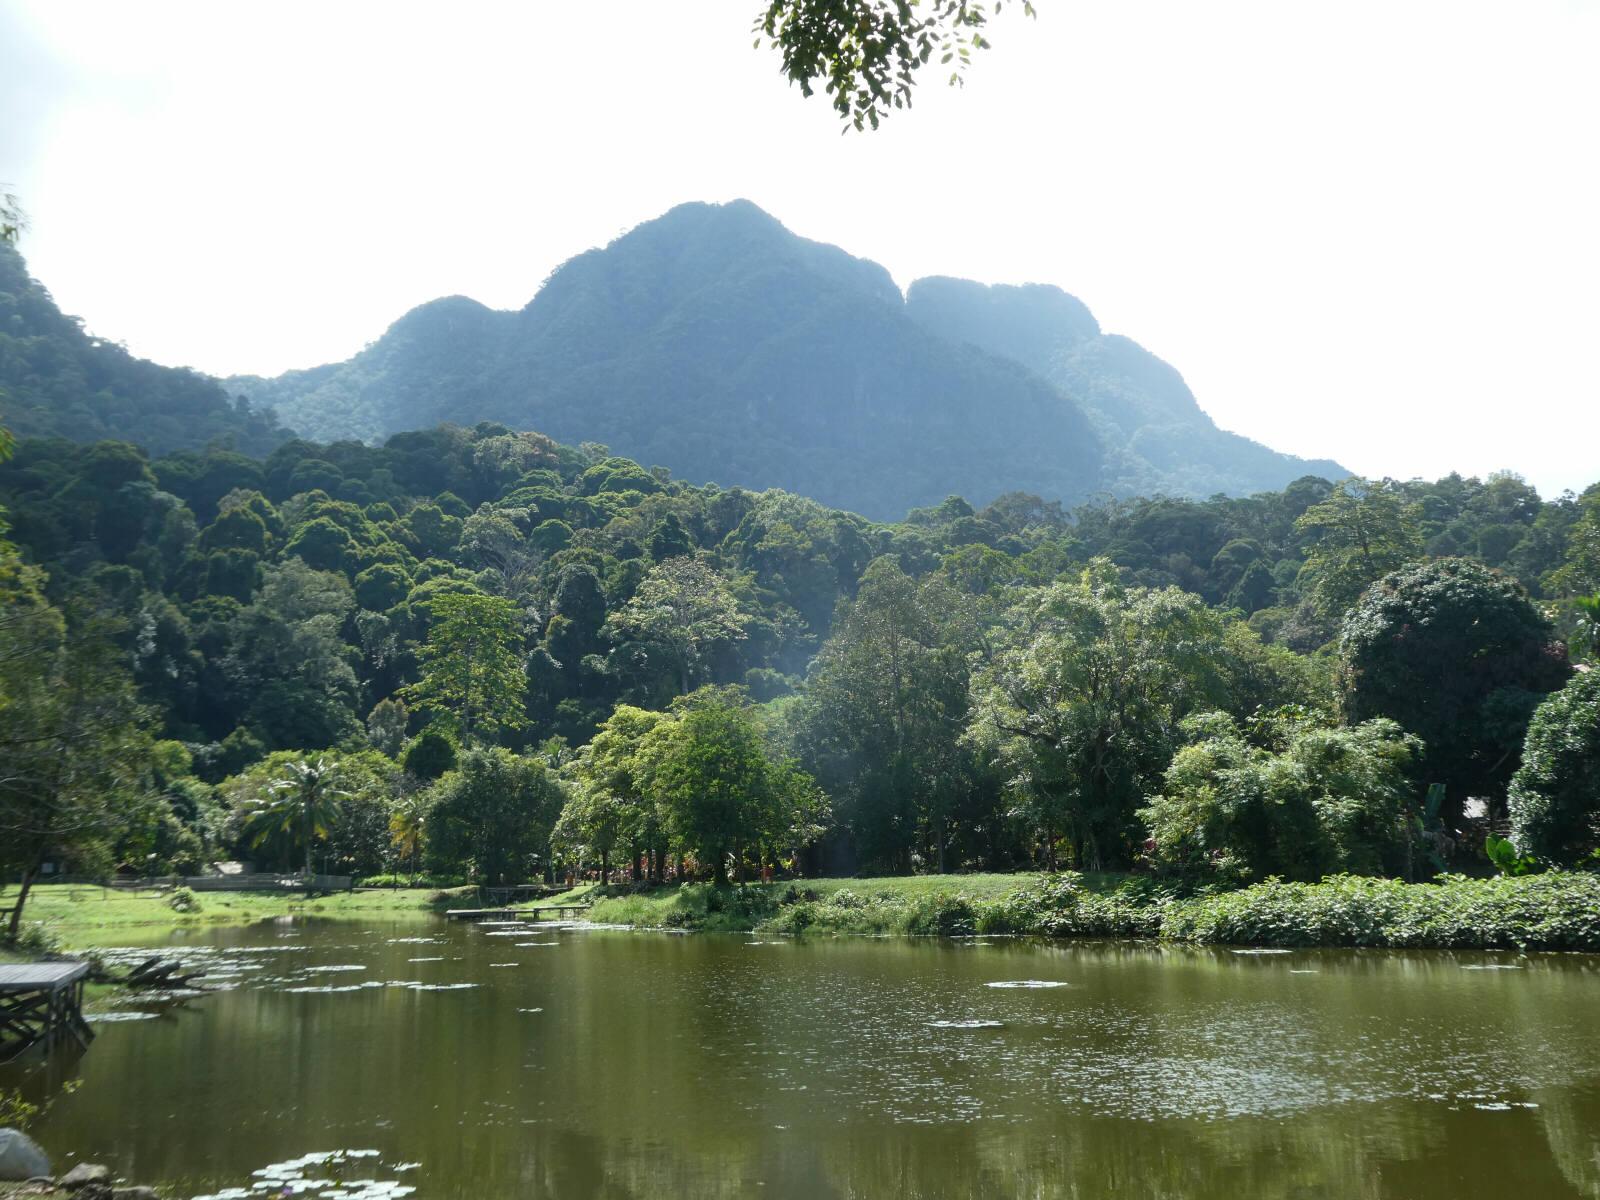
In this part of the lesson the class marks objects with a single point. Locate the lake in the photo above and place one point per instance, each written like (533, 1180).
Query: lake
(454, 1061)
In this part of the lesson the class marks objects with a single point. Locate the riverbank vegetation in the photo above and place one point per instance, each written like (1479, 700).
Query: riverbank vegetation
(1550, 911)
(1554, 911)
(483, 655)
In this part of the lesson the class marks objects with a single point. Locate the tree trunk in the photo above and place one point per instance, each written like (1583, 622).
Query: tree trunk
(605, 867)
(719, 869)
(28, 876)
(638, 864)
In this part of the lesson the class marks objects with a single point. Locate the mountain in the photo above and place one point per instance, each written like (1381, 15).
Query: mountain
(716, 343)
(57, 381)
(1157, 438)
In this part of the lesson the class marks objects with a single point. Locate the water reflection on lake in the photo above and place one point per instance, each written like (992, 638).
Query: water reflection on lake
(513, 1062)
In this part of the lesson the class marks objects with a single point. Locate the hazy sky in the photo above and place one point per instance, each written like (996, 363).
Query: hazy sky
(1362, 230)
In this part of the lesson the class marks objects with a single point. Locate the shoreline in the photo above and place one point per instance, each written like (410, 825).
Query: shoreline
(1553, 911)
(1556, 911)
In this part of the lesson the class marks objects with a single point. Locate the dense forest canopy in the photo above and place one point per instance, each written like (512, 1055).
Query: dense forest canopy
(500, 653)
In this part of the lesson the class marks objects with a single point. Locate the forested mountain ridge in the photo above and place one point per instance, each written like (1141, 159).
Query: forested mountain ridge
(1157, 438)
(718, 344)
(58, 381)
(713, 341)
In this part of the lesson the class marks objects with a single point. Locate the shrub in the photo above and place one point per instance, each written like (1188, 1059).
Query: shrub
(941, 914)
(1556, 911)
(1554, 799)
(33, 938)
(1332, 800)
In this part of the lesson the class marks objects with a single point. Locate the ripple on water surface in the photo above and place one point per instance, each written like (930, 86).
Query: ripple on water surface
(1144, 1035)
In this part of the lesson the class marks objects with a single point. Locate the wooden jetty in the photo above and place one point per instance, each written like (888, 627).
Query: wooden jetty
(513, 914)
(42, 1002)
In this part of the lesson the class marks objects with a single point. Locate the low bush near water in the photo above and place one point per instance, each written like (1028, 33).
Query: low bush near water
(1555, 911)
(1060, 906)
(701, 906)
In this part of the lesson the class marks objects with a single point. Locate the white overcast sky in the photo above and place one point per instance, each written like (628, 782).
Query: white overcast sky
(1362, 229)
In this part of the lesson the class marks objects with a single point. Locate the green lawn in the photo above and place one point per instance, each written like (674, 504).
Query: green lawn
(83, 914)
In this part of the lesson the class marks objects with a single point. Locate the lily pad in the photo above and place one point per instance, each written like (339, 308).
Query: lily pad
(1027, 983)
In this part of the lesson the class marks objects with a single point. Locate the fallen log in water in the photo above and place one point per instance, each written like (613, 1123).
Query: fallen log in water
(158, 974)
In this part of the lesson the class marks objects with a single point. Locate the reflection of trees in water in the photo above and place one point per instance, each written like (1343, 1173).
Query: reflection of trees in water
(1102, 1157)
(625, 1067)
(1357, 1152)
(1568, 1119)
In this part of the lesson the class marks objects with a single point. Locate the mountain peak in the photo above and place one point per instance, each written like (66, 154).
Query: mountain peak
(715, 342)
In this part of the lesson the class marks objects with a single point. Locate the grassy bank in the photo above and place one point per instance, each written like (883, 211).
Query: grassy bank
(1548, 912)
(878, 905)
(84, 914)
(1557, 911)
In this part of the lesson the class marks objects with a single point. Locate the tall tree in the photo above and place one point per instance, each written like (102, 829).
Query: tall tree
(682, 609)
(496, 814)
(12, 220)
(472, 666)
(610, 806)
(882, 719)
(1580, 573)
(407, 825)
(12, 223)
(1360, 533)
(287, 666)
(1460, 656)
(72, 746)
(719, 790)
(1083, 696)
(301, 805)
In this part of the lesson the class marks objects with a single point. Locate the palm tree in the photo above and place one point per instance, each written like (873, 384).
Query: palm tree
(1585, 637)
(303, 805)
(406, 825)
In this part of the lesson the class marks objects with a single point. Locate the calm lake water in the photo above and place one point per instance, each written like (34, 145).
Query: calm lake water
(486, 1061)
